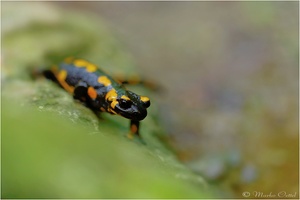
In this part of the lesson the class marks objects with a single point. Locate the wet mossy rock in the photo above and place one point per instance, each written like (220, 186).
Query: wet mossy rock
(52, 146)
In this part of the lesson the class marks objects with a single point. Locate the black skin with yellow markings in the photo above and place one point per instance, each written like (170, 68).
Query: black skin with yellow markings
(99, 91)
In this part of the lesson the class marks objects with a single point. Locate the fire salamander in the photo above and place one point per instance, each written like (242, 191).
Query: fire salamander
(99, 91)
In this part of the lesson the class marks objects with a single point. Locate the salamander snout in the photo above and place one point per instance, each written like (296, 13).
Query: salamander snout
(133, 112)
(134, 108)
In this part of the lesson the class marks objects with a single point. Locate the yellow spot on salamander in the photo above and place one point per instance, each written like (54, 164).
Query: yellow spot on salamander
(92, 92)
(125, 97)
(104, 80)
(113, 104)
(102, 109)
(144, 99)
(83, 63)
(111, 95)
(80, 63)
(61, 77)
(91, 67)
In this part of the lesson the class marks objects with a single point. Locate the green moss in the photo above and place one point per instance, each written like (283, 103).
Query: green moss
(48, 156)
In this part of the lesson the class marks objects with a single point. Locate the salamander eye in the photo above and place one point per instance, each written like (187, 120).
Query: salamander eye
(125, 103)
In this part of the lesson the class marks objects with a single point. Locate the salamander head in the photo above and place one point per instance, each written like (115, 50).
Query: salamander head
(128, 104)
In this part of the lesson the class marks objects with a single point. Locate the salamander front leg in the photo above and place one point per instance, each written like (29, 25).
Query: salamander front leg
(134, 129)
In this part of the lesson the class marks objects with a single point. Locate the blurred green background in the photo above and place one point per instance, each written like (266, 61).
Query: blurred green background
(228, 108)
